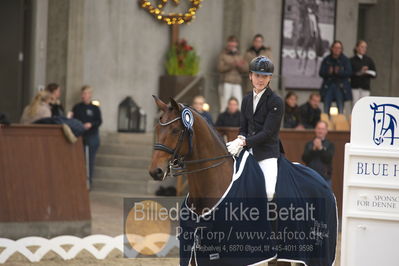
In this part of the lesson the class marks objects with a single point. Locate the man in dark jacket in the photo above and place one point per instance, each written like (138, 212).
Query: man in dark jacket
(261, 114)
(231, 117)
(90, 115)
(319, 152)
(309, 112)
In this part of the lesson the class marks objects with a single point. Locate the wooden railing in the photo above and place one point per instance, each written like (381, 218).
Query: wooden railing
(294, 143)
(42, 175)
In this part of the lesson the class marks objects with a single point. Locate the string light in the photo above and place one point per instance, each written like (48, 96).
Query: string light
(171, 18)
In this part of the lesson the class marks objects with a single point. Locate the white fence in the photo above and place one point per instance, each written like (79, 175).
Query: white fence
(9, 247)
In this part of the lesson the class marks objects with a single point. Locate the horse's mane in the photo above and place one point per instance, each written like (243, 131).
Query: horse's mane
(215, 133)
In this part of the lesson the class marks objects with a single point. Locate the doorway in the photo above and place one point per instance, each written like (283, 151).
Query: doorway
(15, 32)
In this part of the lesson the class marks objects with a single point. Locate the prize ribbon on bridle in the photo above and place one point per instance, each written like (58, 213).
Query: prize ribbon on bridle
(188, 122)
(188, 118)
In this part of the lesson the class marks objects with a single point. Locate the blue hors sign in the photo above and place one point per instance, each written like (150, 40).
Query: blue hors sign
(370, 213)
(364, 168)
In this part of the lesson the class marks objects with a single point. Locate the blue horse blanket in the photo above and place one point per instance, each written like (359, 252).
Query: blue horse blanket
(243, 228)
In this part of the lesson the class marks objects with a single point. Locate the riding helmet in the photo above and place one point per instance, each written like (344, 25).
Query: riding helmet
(261, 65)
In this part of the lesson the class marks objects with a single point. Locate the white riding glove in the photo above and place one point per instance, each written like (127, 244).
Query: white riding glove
(235, 147)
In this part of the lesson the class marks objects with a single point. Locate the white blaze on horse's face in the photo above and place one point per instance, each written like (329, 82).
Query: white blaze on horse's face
(378, 121)
(385, 123)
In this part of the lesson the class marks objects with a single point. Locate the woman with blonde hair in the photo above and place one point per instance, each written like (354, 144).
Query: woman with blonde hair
(39, 108)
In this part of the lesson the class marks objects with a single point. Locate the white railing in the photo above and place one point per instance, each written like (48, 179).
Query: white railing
(9, 247)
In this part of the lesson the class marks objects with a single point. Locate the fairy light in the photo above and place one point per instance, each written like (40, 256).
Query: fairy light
(171, 18)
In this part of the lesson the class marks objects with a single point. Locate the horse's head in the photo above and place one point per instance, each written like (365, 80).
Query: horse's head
(170, 142)
(378, 120)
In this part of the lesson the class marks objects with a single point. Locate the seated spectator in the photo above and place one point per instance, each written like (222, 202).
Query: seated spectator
(230, 117)
(90, 116)
(198, 105)
(39, 108)
(55, 91)
(319, 152)
(310, 111)
(4, 119)
(231, 65)
(291, 112)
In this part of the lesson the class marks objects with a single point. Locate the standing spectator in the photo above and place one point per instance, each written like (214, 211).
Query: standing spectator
(258, 48)
(292, 117)
(198, 105)
(319, 152)
(230, 117)
(335, 71)
(55, 91)
(39, 108)
(310, 111)
(255, 50)
(231, 66)
(363, 69)
(90, 116)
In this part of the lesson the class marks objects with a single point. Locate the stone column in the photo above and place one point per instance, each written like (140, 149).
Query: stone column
(381, 33)
(39, 46)
(65, 48)
(246, 18)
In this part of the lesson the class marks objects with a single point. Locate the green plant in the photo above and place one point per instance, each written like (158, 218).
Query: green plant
(181, 59)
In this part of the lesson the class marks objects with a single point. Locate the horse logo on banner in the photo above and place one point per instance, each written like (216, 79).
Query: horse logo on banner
(385, 123)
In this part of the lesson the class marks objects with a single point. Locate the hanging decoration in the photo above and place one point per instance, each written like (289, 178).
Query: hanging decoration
(171, 18)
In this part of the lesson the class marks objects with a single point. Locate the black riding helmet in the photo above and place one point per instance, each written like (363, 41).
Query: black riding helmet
(261, 65)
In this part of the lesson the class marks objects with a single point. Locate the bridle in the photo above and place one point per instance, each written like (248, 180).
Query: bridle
(177, 164)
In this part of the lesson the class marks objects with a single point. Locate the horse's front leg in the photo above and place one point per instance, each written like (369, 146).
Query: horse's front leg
(193, 262)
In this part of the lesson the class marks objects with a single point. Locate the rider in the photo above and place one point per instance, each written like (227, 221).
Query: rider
(261, 114)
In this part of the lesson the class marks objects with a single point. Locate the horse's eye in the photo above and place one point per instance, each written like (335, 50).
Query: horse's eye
(379, 121)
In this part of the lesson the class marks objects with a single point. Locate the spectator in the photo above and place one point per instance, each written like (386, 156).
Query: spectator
(90, 116)
(55, 91)
(291, 112)
(39, 108)
(231, 65)
(258, 49)
(198, 105)
(4, 120)
(363, 69)
(319, 152)
(255, 50)
(230, 117)
(335, 71)
(310, 111)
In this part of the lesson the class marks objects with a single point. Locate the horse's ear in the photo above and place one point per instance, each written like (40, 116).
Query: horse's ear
(373, 106)
(175, 105)
(163, 106)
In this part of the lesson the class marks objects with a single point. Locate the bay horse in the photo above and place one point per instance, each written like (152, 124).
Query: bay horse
(187, 145)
